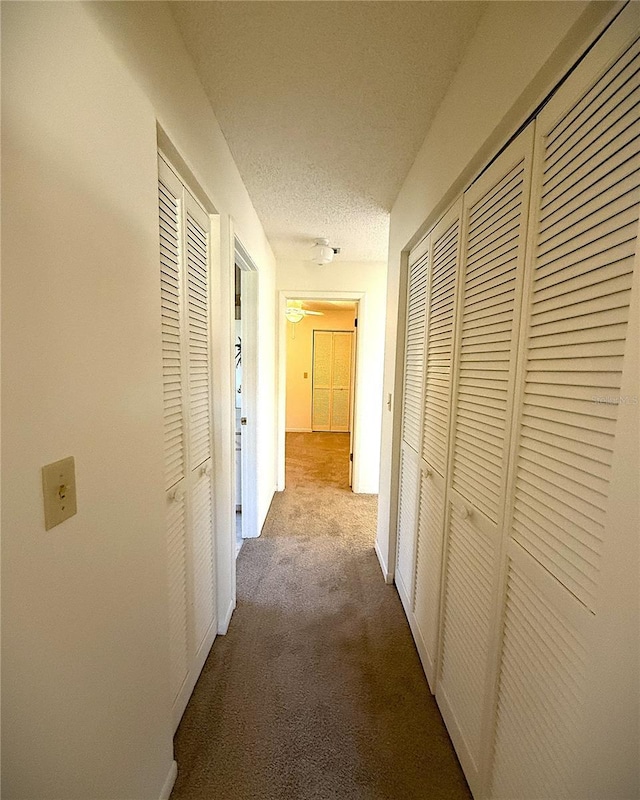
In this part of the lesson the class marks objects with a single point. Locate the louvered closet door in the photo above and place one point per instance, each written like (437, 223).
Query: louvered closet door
(412, 403)
(322, 355)
(332, 352)
(440, 311)
(341, 380)
(170, 202)
(493, 247)
(186, 347)
(199, 373)
(580, 274)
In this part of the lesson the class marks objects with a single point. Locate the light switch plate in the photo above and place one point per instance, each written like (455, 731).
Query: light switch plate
(59, 487)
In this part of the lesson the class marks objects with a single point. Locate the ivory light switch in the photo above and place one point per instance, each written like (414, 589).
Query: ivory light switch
(59, 488)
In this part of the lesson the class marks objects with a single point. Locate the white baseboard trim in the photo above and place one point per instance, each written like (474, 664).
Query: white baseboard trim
(171, 779)
(299, 430)
(225, 619)
(388, 577)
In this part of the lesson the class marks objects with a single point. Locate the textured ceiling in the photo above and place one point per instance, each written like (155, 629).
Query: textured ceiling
(325, 105)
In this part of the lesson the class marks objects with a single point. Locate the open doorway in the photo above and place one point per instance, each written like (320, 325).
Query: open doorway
(245, 394)
(320, 391)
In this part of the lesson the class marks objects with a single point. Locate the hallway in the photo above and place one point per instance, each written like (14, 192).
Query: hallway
(316, 691)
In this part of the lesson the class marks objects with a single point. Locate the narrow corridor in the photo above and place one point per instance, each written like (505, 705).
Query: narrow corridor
(316, 692)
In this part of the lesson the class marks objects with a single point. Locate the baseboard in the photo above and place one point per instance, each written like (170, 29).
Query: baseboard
(388, 577)
(299, 430)
(225, 619)
(171, 779)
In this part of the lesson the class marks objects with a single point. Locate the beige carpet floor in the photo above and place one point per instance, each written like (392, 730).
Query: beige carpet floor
(316, 692)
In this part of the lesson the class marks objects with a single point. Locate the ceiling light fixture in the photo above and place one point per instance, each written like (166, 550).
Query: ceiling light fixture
(294, 311)
(294, 314)
(322, 252)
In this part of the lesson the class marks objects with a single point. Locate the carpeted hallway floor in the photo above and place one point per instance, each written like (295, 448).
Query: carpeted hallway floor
(316, 692)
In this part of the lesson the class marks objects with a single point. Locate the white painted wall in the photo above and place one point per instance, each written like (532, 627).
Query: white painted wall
(86, 708)
(518, 53)
(145, 38)
(303, 279)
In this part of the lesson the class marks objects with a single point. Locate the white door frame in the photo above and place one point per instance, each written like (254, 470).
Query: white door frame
(356, 437)
(249, 328)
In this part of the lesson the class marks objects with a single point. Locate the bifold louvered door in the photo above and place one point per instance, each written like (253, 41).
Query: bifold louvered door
(549, 742)
(444, 243)
(332, 368)
(490, 290)
(184, 269)
(412, 403)
(538, 647)
(174, 379)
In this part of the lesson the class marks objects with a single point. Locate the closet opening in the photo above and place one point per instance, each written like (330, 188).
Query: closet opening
(320, 391)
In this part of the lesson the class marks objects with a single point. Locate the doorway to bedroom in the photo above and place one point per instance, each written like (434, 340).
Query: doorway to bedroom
(320, 388)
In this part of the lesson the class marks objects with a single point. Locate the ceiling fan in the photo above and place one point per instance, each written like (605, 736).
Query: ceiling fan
(294, 311)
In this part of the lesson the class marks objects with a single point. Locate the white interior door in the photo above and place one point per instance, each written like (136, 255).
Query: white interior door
(536, 656)
(412, 409)
(170, 200)
(490, 291)
(186, 348)
(444, 246)
(562, 601)
(249, 395)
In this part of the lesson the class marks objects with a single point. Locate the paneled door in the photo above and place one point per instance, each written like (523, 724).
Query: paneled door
(332, 372)
(186, 366)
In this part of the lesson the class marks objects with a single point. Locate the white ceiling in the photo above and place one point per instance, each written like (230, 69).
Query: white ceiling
(325, 105)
